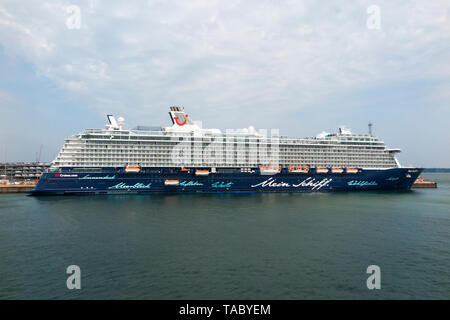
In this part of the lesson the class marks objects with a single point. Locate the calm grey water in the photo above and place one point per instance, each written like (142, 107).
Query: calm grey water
(252, 246)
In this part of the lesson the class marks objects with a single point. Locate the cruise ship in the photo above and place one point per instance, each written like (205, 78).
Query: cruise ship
(185, 157)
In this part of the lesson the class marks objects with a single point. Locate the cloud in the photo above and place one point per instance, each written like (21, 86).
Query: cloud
(253, 58)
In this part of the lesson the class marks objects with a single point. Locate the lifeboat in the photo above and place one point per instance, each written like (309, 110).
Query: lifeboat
(268, 170)
(321, 170)
(185, 170)
(201, 172)
(351, 170)
(337, 170)
(132, 169)
(168, 182)
(298, 169)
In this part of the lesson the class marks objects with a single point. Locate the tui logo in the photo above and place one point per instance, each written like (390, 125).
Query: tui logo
(181, 122)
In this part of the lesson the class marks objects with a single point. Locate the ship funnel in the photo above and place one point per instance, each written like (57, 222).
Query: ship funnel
(179, 117)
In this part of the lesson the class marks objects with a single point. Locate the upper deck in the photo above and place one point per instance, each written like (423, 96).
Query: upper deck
(117, 146)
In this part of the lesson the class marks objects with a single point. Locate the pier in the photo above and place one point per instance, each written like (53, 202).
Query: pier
(20, 177)
(16, 188)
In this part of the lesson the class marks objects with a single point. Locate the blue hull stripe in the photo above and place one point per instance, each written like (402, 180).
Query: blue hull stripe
(120, 183)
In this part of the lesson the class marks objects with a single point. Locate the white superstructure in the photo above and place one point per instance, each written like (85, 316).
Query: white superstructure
(187, 144)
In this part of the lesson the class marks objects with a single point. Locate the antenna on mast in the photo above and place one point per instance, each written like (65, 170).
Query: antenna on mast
(5, 163)
(370, 128)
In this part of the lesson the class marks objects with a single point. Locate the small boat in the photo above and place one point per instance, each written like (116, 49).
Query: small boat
(298, 169)
(269, 170)
(199, 172)
(337, 170)
(168, 182)
(321, 170)
(185, 170)
(422, 183)
(132, 169)
(351, 170)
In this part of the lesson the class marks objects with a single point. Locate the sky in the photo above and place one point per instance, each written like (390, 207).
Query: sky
(302, 67)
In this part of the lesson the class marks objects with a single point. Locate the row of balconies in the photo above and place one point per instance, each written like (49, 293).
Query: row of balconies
(206, 160)
(249, 150)
(161, 164)
(290, 159)
(312, 144)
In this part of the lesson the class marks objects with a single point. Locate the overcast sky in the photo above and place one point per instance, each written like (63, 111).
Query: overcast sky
(299, 66)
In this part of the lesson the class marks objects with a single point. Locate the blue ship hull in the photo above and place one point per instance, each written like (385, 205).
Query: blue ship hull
(114, 181)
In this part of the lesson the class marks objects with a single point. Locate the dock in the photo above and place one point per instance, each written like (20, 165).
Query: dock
(422, 183)
(16, 188)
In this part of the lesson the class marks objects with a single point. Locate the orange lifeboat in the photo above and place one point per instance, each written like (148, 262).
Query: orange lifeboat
(298, 169)
(268, 170)
(351, 170)
(199, 172)
(168, 182)
(337, 170)
(132, 169)
(185, 170)
(321, 170)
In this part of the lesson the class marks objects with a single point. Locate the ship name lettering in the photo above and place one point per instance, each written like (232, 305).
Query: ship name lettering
(271, 182)
(309, 182)
(315, 185)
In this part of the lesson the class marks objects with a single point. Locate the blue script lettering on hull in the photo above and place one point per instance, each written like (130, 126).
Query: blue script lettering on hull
(362, 183)
(222, 184)
(190, 184)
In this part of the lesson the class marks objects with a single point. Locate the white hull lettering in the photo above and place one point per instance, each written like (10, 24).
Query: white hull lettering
(123, 185)
(88, 177)
(313, 183)
(307, 183)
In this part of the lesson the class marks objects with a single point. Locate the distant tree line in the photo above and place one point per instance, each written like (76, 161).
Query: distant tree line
(436, 170)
